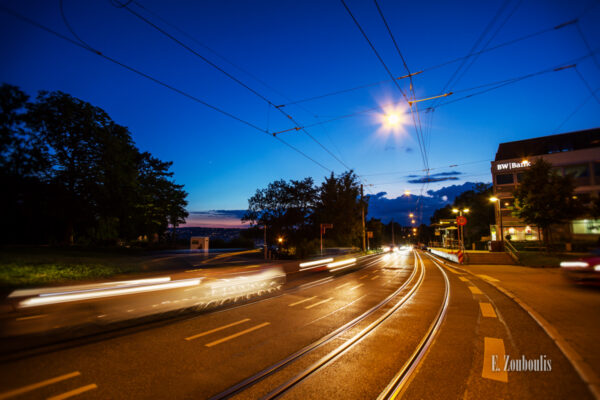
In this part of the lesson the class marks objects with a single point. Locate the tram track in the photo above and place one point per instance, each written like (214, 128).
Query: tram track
(416, 278)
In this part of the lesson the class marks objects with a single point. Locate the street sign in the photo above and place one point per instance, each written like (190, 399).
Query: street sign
(461, 220)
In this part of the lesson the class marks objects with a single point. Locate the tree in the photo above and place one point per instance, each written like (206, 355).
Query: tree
(340, 203)
(545, 198)
(285, 208)
(76, 175)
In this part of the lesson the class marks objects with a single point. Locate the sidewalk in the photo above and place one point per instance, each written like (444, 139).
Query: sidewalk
(572, 310)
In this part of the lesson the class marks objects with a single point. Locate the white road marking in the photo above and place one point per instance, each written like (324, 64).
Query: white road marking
(225, 339)
(217, 329)
(341, 286)
(38, 385)
(319, 302)
(301, 301)
(357, 286)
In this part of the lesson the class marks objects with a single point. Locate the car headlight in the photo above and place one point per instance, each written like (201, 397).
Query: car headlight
(574, 264)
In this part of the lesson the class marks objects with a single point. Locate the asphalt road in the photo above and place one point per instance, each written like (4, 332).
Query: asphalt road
(399, 324)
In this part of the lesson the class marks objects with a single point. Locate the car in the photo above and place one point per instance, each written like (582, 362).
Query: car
(585, 270)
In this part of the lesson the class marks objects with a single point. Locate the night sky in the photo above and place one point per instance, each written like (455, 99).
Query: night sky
(292, 50)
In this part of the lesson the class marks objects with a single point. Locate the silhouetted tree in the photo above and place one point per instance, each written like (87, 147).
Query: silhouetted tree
(545, 198)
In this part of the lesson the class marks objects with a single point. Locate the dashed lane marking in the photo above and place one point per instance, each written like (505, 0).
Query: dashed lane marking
(74, 392)
(318, 303)
(226, 338)
(301, 301)
(364, 276)
(475, 290)
(488, 278)
(493, 360)
(375, 277)
(487, 310)
(217, 329)
(38, 385)
(462, 278)
(341, 286)
(357, 286)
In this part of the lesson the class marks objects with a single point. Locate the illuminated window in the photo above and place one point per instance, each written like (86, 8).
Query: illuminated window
(586, 226)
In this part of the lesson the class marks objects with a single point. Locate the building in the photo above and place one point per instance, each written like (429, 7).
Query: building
(575, 153)
(199, 243)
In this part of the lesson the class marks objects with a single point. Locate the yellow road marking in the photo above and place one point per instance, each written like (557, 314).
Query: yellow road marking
(453, 270)
(487, 310)
(217, 329)
(237, 334)
(341, 286)
(475, 290)
(319, 302)
(357, 286)
(488, 278)
(38, 385)
(375, 277)
(493, 360)
(301, 301)
(74, 392)
(31, 317)
(364, 276)
(462, 278)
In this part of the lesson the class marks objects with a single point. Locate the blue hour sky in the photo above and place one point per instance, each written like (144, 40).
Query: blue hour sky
(291, 50)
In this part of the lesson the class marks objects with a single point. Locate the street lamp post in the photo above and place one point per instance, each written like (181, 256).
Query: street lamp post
(496, 200)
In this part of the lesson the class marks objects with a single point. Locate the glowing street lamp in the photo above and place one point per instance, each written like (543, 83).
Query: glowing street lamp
(280, 239)
(411, 215)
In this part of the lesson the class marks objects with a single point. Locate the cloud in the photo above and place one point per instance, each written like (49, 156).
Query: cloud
(429, 179)
(216, 219)
(439, 177)
(423, 206)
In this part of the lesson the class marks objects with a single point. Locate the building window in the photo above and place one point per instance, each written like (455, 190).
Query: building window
(504, 179)
(520, 177)
(507, 204)
(597, 172)
(577, 171)
(586, 226)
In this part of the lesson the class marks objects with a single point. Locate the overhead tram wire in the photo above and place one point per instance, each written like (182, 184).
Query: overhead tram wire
(561, 67)
(474, 47)
(151, 78)
(496, 84)
(587, 85)
(195, 40)
(419, 138)
(473, 59)
(238, 81)
(513, 41)
(414, 97)
(576, 109)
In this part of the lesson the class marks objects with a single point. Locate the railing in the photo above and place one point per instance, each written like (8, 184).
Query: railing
(510, 249)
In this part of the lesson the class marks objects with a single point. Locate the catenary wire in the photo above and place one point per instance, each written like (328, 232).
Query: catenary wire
(155, 80)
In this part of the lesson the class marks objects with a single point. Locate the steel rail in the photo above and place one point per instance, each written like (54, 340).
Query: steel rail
(354, 340)
(401, 380)
(250, 381)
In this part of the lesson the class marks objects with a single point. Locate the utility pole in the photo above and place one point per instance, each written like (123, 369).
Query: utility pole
(265, 240)
(393, 241)
(364, 245)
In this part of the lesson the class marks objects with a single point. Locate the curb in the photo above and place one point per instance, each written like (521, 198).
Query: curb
(585, 372)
